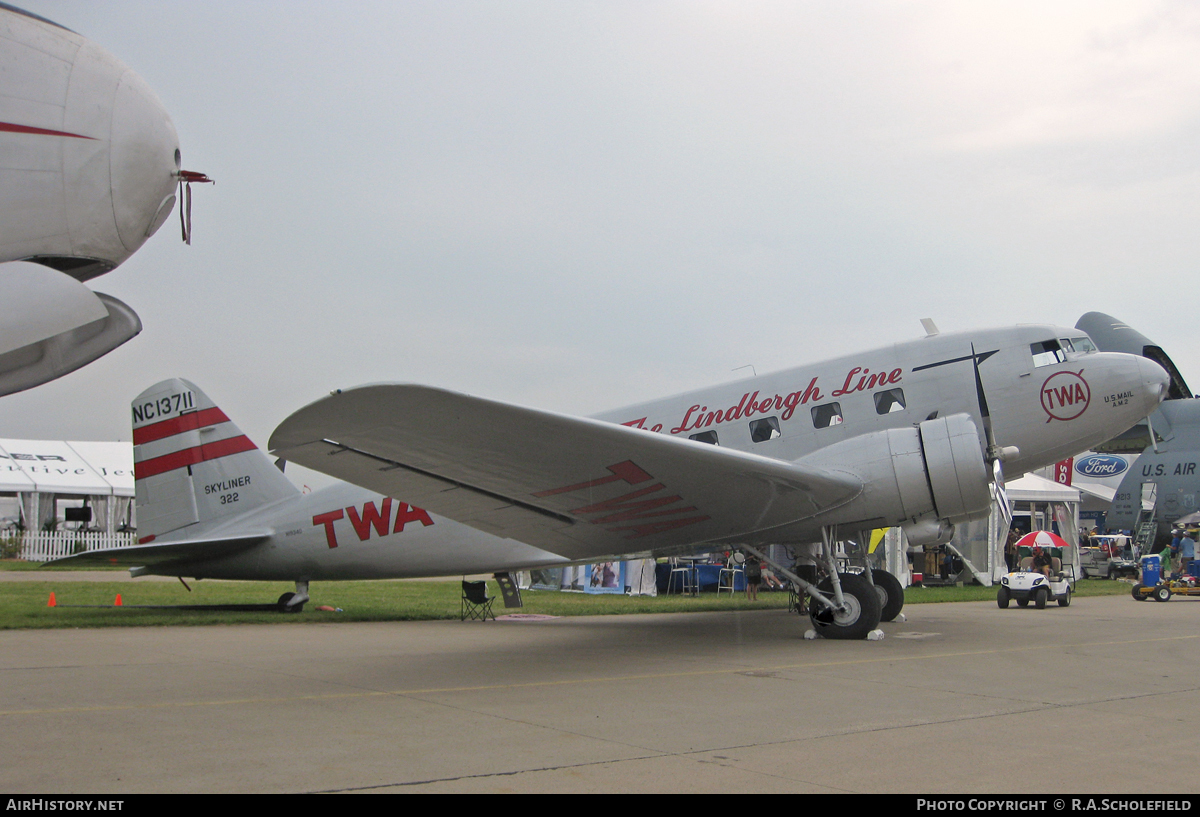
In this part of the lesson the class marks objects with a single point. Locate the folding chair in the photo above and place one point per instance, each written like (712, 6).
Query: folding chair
(476, 603)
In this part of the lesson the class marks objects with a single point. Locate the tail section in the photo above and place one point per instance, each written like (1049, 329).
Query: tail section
(192, 465)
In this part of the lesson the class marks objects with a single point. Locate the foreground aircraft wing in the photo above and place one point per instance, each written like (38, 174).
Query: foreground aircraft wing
(164, 553)
(577, 487)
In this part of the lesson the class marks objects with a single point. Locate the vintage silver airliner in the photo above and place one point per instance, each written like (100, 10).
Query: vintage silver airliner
(439, 483)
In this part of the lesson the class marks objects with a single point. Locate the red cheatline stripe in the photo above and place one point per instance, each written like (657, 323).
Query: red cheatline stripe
(177, 425)
(11, 128)
(192, 456)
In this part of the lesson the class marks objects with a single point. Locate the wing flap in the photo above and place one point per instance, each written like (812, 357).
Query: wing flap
(574, 486)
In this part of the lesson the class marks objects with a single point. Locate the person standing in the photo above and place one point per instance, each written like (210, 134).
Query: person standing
(1010, 549)
(753, 577)
(1187, 552)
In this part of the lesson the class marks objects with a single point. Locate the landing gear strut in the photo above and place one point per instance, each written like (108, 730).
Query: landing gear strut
(841, 605)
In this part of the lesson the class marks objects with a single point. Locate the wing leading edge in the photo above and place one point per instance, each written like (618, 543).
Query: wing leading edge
(574, 486)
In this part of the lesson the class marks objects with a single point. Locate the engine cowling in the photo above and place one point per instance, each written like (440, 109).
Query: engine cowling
(924, 479)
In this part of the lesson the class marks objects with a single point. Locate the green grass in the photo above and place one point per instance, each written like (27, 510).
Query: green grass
(23, 605)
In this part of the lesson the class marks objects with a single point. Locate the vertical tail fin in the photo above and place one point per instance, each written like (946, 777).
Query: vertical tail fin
(192, 464)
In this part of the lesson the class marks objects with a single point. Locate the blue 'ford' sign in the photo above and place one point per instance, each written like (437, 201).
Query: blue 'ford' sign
(1101, 465)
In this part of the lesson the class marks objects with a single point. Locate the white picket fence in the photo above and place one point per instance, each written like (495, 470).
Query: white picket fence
(40, 546)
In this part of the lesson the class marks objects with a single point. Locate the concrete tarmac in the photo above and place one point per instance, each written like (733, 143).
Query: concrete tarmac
(1100, 697)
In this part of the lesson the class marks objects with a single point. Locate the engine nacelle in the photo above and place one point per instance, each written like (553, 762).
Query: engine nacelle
(924, 479)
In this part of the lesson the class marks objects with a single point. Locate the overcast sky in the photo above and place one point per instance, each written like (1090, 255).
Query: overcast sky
(578, 205)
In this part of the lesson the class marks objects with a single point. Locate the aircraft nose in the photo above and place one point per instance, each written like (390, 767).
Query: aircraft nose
(1155, 382)
(143, 161)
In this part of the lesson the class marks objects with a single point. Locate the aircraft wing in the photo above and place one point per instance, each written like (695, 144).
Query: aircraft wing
(155, 555)
(577, 487)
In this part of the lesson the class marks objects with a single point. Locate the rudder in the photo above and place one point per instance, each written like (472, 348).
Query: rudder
(192, 464)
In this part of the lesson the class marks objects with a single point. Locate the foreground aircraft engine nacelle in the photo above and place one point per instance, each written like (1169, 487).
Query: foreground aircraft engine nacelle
(89, 163)
(924, 479)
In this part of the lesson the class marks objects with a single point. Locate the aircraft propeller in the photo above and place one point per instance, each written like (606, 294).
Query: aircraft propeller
(996, 454)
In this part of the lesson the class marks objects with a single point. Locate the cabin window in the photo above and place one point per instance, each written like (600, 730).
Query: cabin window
(1047, 353)
(827, 415)
(888, 401)
(709, 437)
(765, 429)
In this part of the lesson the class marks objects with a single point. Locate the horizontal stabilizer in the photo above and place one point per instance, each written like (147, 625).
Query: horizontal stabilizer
(159, 555)
(570, 485)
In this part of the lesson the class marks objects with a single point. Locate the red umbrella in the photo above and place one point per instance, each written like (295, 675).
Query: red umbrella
(1042, 539)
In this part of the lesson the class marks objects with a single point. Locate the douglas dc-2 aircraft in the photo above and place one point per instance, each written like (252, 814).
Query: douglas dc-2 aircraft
(89, 161)
(909, 435)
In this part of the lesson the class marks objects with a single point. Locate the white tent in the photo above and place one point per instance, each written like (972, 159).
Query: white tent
(40, 472)
(980, 544)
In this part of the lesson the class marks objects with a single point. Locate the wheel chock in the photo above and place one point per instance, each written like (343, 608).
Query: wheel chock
(875, 635)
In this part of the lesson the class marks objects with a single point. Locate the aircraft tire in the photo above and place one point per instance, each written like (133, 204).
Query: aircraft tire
(862, 609)
(891, 594)
(1039, 598)
(1002, 597)
(282, 604)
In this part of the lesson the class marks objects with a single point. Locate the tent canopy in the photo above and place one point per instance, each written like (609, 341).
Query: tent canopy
(66, 468)
(1032, 488)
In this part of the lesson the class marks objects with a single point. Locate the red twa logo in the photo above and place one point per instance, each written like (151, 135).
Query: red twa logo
(1065, 395)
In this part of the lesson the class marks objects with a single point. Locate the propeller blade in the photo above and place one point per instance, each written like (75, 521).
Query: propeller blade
(1002, 500)
(984, 413)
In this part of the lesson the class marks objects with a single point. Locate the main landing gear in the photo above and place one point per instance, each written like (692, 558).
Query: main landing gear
(844, 605)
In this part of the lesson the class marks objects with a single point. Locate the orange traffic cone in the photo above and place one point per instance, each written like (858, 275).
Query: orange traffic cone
(118, 602)
(52, 603)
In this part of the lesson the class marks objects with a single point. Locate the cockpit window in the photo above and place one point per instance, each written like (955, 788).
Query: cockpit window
(1083, 344)
(1047, 353)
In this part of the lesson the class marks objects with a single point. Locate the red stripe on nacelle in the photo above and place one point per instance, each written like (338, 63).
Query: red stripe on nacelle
(9, 127)
(192, 456)
(177, 425)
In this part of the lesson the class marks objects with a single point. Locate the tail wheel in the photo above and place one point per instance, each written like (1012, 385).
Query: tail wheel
(1002, 597)
(891, 594)
(282, 604)
(1039, 598)
(1065, 599)
(859, 616)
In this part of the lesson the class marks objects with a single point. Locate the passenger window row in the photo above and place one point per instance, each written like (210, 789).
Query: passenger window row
(823, 416)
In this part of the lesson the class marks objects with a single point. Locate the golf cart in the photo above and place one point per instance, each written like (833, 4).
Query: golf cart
(1026, 584)
(1105, 560)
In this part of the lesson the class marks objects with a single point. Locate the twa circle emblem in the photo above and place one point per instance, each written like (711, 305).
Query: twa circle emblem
(1065, 396)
